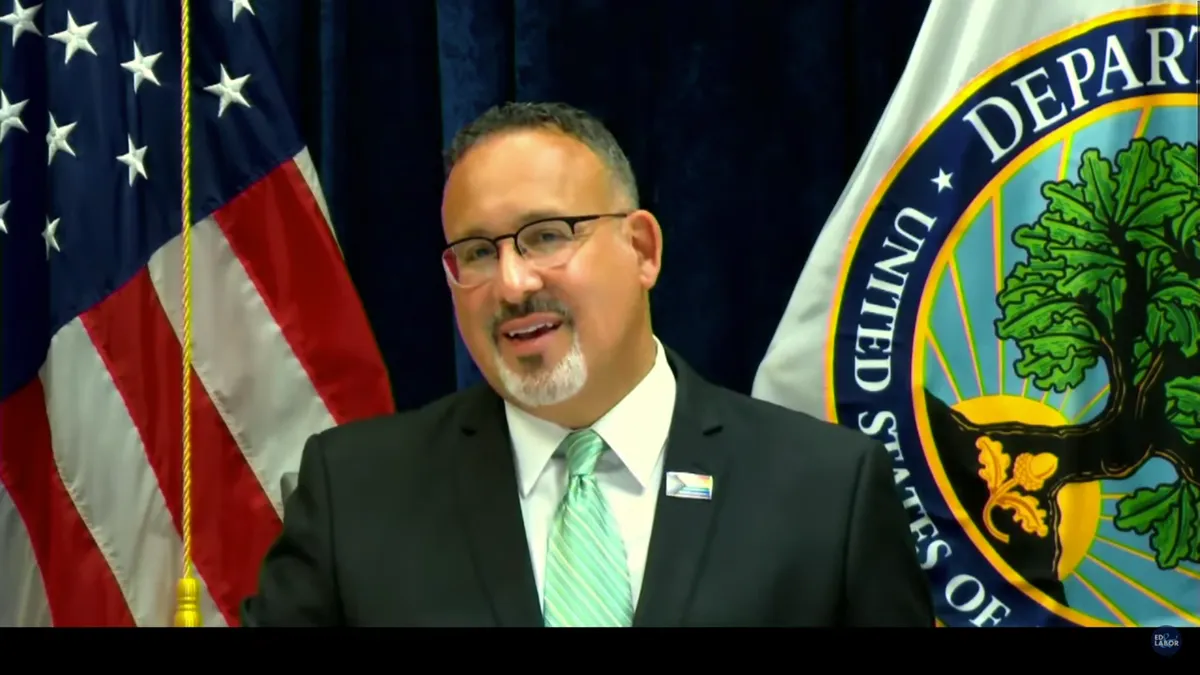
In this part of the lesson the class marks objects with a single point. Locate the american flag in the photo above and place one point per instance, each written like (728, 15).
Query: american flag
(90, 309)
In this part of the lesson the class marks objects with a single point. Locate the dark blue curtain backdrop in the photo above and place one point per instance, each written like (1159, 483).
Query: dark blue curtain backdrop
(743, 121)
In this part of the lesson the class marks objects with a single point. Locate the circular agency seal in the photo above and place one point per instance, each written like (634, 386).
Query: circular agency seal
(1019, 324)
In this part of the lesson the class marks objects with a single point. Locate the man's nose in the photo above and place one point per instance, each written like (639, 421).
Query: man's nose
(516, 278)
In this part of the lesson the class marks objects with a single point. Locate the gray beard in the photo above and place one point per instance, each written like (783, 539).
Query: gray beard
(541, 385)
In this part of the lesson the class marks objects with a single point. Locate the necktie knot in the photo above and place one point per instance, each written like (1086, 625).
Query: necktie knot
(583, 449)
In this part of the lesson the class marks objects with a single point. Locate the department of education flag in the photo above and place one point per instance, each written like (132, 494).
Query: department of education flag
(1007, 296)
(90, 310)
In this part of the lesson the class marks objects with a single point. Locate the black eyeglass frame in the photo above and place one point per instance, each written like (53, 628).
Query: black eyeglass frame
(572, 222)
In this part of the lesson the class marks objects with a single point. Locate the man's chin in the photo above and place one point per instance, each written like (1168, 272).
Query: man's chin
(542, 379)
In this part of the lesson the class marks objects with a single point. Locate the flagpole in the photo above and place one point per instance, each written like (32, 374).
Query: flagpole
(187, 610)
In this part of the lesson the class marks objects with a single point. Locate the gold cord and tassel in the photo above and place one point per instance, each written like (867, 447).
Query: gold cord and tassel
(187, 609)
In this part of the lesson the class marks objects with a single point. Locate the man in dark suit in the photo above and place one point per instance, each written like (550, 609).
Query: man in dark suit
(595, 479)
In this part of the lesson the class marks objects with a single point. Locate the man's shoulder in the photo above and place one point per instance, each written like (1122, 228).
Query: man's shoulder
(788, 436)
(773, 419)
(400, 434)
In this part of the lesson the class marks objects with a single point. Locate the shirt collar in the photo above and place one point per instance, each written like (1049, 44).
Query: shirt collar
(636, 428)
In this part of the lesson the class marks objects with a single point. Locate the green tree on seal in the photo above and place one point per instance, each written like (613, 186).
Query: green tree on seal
(1111, 280)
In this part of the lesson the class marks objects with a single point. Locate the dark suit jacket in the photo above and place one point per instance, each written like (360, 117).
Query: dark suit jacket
(414, 520)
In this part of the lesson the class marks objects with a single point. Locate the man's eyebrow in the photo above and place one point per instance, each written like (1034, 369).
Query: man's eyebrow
(525, 217)
(530, 216)
(475, 232)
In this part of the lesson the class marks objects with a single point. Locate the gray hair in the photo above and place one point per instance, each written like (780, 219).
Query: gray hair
(571, 121)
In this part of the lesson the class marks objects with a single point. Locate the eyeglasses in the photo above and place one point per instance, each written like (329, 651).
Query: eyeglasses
(545, 243)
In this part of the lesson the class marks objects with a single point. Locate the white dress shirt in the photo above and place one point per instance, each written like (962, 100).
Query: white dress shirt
(629, 477)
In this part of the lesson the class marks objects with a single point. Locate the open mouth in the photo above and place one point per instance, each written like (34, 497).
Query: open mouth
(533, 332)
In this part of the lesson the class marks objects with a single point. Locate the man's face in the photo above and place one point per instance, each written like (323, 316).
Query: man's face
(538, 334)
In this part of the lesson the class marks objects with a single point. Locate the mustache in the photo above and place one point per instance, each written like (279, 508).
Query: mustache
(531, 305)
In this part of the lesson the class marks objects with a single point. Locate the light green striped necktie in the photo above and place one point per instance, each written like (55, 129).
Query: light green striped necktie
(587, 577)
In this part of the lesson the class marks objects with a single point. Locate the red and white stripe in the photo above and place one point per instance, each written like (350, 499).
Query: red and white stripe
(91, 477)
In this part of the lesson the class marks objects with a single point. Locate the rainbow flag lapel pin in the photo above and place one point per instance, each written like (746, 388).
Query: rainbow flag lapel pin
(689, 485)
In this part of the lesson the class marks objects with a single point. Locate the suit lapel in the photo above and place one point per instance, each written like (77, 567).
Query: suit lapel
(492, 511)
(682, 527)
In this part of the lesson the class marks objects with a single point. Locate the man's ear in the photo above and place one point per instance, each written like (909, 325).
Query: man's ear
(645, 237)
